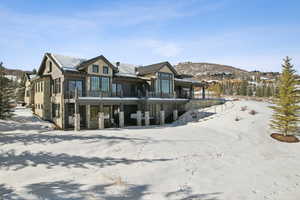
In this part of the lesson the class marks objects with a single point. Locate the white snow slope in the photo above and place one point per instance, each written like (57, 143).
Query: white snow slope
(216, 158)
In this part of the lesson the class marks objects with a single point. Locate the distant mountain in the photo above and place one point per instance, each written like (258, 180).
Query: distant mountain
(210, 70)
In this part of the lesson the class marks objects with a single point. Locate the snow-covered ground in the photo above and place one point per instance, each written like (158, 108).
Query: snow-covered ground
(216, 158)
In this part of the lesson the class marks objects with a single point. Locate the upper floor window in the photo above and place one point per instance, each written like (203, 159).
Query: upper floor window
(105, 70)
(95, 83)
(74, 85)
(104, 84)
(38, 86)
(95, 69)
(50, 66)
(100, 83)
(41, 86)
(164, 83)
(56, 85)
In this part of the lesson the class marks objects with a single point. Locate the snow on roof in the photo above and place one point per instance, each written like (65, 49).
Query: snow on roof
(67, 61)
(31, 76)
(127, 70)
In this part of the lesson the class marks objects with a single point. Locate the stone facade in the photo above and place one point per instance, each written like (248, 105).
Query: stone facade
(56, 98)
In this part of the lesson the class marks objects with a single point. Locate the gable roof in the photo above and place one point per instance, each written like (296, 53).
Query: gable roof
(85, 63)
(155, 68)
(68, 63)
(42, 65)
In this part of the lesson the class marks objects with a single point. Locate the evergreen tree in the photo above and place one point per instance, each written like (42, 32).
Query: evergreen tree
(6, 95)
(258, 91)
(243, 88)
(250, 91)
(286, 110)
(216, 89)
(21, 90)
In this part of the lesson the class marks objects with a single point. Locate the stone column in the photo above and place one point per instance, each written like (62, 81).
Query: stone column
(139, 118)
(101, 120)
(88, 116)
(77, 122)
(162, 117)
(121, 119)
(175, 115)
(157, 114)
(147, 118)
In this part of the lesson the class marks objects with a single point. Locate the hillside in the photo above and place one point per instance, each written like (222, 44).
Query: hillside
(14, 74)
(209, 70)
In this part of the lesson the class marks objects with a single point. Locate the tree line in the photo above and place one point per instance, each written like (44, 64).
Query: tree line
(244, 88)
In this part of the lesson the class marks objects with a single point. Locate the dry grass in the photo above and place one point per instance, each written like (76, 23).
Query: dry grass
(237, 118)
(244, 108)
(253, 112)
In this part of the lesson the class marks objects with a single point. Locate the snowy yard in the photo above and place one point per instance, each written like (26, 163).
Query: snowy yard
(216, 158)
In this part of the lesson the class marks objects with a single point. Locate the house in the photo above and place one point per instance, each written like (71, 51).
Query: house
(29, 91)
(96, 93)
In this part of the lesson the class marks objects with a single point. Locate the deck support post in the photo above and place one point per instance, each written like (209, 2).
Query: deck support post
(121, 119)
(203, 92)
(175, 115)
(101, 120)
(162, 117)
(139, 118)
(76, 117)
(77, 122)
(147, 118)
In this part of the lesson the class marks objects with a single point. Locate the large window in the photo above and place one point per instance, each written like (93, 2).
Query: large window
(104, 84)
(100, 83)
(117, 89)
(164, 83)
(73, 84)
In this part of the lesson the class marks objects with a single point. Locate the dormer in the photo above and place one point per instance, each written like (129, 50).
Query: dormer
(162, 78)
(97, 66)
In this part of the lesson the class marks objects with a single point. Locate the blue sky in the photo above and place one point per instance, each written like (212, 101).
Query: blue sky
(253, 35)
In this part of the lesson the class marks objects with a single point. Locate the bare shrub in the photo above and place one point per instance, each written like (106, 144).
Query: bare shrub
(244, 108)
(253, 112)
(237, 119)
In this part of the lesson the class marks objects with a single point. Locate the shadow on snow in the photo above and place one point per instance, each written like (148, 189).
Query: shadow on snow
(11, 160)
(64, 190)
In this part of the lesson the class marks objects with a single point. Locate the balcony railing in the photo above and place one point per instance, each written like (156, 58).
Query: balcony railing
(139, 94)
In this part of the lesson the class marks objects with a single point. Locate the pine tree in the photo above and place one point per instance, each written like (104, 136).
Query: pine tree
(243, 88)
(6, 95)
(258, 91)
(286, 110)
(216, 89)
(250, 91)
(21, 90)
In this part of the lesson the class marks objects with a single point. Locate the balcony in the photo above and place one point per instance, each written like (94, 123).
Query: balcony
(120, 94)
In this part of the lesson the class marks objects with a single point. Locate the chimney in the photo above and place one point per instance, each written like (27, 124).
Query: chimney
(118, 64)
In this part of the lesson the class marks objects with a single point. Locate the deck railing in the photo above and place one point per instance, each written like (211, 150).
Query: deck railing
(139, 94)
